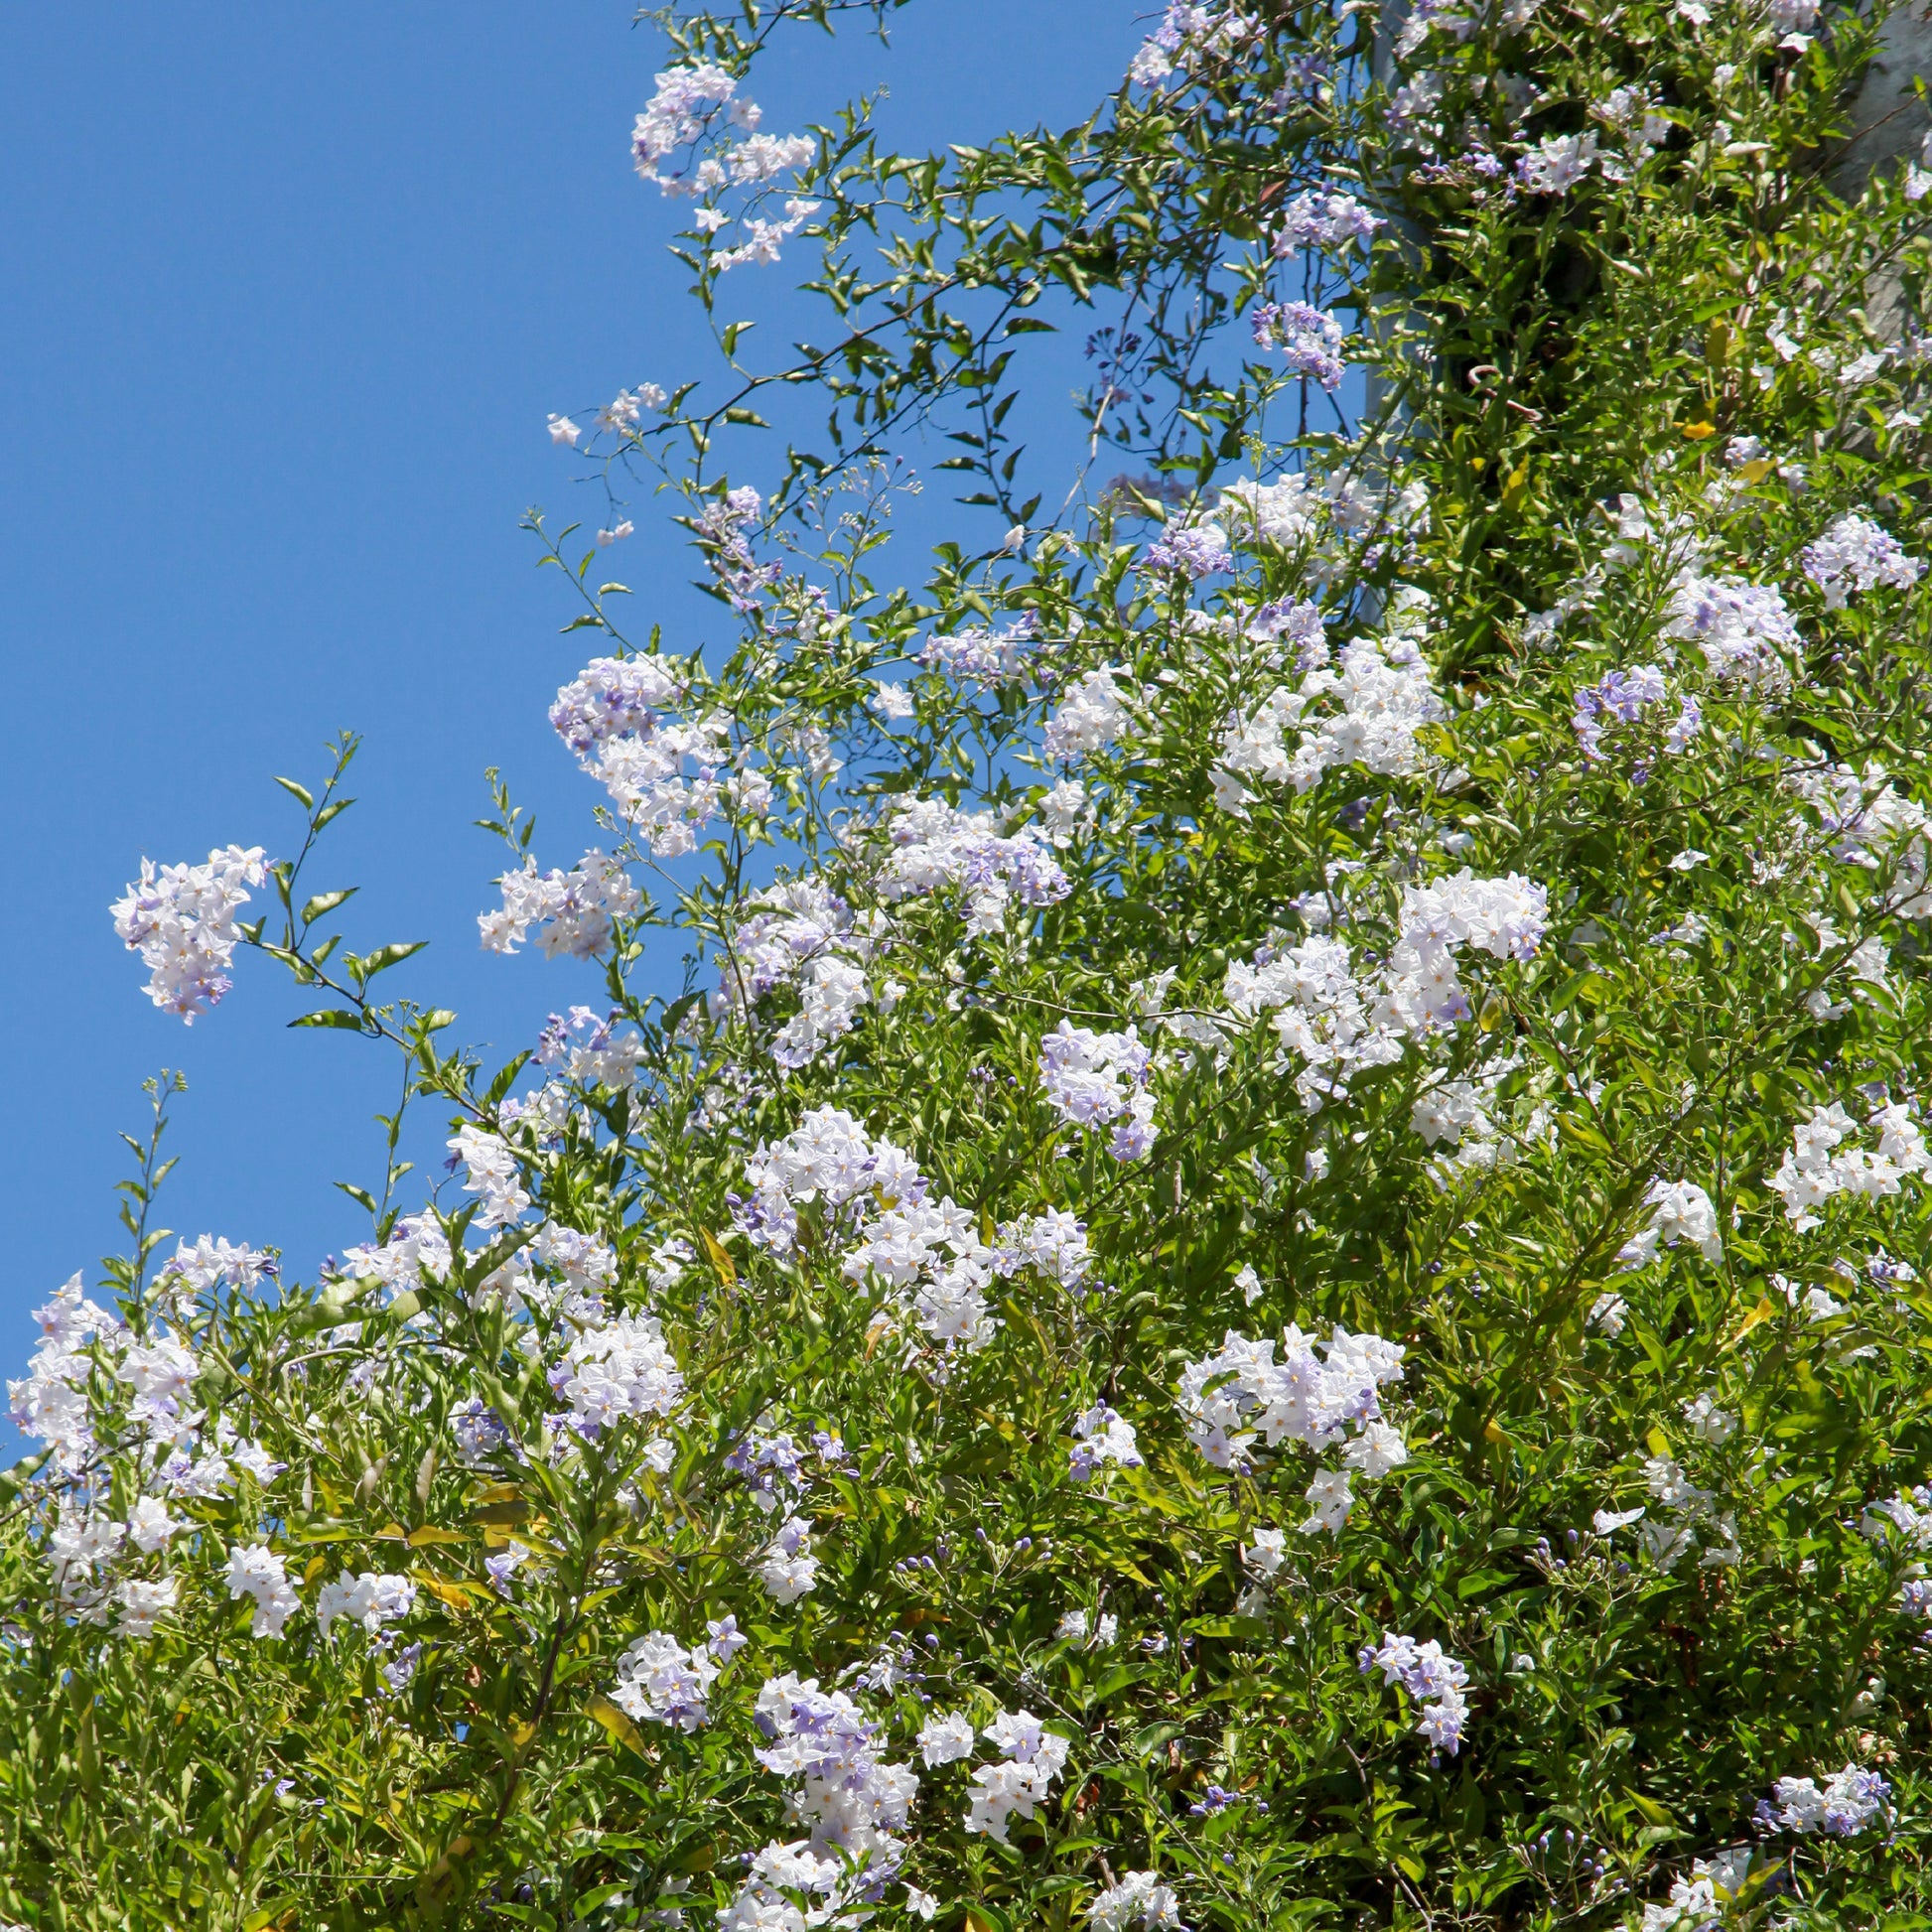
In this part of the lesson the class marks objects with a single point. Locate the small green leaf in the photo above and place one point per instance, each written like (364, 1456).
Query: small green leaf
(331, 1017)
(301, 793)
(327, 902)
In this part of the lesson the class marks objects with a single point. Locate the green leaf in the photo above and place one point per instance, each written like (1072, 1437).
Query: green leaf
(341, 1017)
(326, 902)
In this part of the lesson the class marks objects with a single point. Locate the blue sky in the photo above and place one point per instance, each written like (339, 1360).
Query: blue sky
(292, 291)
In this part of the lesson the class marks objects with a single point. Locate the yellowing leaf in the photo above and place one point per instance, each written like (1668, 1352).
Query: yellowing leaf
(428, 1534)
(1492, 1431)
(1763, 1313)
(1657, 1443)
(1697, 432)
(1756, 470)
(617, 1724)
(459, 1596)
(721, 1262)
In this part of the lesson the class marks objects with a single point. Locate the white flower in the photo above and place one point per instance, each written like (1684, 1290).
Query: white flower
(1140, 1899)
(1266, 1550)
(144, 1603)
(255, 1571)
(946, 1739)
(149, 1526)
(369, 1599)
(1332, 1500)
(660, 1681)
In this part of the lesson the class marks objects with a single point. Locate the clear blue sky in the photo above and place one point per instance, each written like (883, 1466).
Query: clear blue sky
(290, 293)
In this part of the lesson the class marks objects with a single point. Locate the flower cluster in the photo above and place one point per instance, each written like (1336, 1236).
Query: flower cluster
(1242, 1392)
(1308, 339)
(1365, 710)
(575, 910)
(978, 655)
(1745, 630)
(1333, 1025)
(1680, 1212)
(1189, 37)
(851, 1800)
(1094, 1079)
(1101, 1436)
(621, 1369)
(619, 717)
(1434, 1680)
(181, 921)
(371, 1599)
(1140, 1901)
(1323, 221)
(1092, 716)
(936, 847)
(1033, 1758)
(660, 1681)
(1620, 698)
(1813, 1169)
(1854, 554)
(1850, 1801)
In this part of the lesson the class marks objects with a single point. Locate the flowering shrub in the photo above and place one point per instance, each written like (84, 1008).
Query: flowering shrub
(1266, 1271)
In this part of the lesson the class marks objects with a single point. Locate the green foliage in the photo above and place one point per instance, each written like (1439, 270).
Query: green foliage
(1553, 474)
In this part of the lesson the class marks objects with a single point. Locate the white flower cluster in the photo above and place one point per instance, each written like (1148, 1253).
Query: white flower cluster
(1856, 554)
(1745, 630)
(927, 1252)
(978, 655)
(1866, 819)
(181, 921)
(787, 1566)
(585, 1047)
(370, 1599)
(1460, 1117)
(1370, 709)
(1850, 1801)
(1101, 1435)
(491, 1171)
(936, 847)
(1680, 1212)
(1433, 1678)
(208, 1262)
(660, 1681)
(616, 716)
(691, 105)
(1242, 1391)
(417, 1249)
(575, 908)
(1695, 1524)
(1098, 1080)
(802, 935)
(851, 1802)
(90, 1390)
(1336, 1025)
(1813, 1169)
(1189, 37)
(257, 1573)
(1033, 1758)
(621, 1369)
(1140, 1901)
(50, 1403)
(1090, 716)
